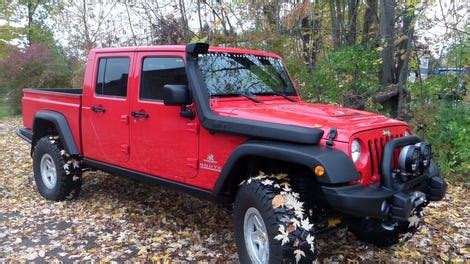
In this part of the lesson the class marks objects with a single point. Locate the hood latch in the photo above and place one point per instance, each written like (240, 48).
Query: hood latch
(331, 136)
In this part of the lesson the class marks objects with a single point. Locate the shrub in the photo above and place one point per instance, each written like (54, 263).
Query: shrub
(445, 124)
(348, 76)
(34, 66)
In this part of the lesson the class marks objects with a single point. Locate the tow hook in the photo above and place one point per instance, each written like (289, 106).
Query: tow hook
(418, 198)
(389, 226)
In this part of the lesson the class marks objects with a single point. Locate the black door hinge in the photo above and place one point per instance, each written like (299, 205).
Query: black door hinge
(331, 136)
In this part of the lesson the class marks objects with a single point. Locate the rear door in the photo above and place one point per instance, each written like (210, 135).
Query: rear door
(105, 124)
(164, 143)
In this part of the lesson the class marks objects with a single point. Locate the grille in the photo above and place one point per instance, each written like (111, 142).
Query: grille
(376, 147)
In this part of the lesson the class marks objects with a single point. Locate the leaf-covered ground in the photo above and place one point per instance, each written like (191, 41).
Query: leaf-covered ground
(119, 219)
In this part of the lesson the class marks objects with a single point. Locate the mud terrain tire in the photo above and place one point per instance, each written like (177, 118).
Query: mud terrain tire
(289, 234)
(58, 176)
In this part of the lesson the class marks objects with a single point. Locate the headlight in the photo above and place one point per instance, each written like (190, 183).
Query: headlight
(355, 150)
(426, 153)
(410, 159)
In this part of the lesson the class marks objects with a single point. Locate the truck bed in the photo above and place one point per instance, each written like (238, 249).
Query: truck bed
(66, 101)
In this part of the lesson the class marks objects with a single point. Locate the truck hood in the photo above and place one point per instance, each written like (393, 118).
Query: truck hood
(346, 121)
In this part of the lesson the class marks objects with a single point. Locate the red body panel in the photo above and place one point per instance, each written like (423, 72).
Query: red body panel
(179, 149)
(106, 134)
(279, 110)
(373, 142)
(163, 144)
(67, 104)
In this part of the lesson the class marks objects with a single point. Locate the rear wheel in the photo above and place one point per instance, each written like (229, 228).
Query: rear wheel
(271, 223)
(57, 174)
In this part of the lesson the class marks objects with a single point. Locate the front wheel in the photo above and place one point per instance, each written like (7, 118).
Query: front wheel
(271, 225)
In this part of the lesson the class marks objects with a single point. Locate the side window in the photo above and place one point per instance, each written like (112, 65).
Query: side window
(112, 77)
(156, 72)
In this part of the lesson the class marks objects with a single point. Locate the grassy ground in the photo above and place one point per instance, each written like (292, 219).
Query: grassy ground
(3, 108)
(119, 219)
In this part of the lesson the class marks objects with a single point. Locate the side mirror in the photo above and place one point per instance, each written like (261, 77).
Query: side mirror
(176, 94)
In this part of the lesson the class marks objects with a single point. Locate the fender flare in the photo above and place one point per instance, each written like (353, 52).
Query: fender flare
(339, 167)
(60, 124)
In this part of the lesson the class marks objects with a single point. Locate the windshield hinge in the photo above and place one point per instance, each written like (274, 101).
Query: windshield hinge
(331, 136)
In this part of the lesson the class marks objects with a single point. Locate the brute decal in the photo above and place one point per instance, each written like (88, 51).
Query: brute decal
(209, 163)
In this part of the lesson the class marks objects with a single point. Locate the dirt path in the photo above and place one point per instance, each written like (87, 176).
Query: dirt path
(119, 219)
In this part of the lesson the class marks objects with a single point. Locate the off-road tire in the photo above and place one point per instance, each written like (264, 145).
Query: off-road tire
(68, 170)
(257, 193)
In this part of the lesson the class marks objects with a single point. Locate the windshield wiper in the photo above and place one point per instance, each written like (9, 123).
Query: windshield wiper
(239, 94)
(277, 93)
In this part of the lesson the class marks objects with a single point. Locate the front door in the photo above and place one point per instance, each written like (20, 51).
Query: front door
(105, 124)
(165, 143)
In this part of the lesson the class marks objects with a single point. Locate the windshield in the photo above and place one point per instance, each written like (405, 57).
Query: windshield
(229, 74)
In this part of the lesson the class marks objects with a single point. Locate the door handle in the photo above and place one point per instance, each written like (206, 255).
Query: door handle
(139, 114)
(98, 109)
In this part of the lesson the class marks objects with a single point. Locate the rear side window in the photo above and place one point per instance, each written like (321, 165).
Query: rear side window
(159, 71)
(112, 77)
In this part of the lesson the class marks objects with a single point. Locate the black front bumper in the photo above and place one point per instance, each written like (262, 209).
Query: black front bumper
(389, 199)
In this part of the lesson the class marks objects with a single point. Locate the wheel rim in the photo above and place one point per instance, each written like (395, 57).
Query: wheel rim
(256, 236)
(48, 171)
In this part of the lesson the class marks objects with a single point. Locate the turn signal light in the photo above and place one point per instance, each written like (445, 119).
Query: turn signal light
(319, 171)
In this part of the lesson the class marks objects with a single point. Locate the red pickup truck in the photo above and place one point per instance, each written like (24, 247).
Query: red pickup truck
(228, 125)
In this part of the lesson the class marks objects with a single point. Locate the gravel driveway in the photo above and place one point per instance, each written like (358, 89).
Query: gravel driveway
(118, 219)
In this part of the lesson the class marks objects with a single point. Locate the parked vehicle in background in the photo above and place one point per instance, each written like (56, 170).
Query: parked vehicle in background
(228, 125)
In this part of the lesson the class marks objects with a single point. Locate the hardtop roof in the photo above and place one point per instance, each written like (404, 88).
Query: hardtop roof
(181, 48)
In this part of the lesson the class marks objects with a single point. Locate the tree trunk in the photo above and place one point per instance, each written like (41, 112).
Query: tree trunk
(403, 61)
(31, 6)
(387, 33)
(309, 32)
(402, 43)
(340, 18)
(336, 34)
(352, 21)
(88, 42)
(134, 38)
(184, 21)
(370, 22)
(199, 16)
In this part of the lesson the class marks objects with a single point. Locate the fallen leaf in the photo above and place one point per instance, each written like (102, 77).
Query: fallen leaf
(278, 200)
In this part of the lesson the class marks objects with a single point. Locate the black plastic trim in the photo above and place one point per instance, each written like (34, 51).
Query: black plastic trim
(338, 166)
(358, 200)
(25, 134)
(62, 126)
(387, 157)
(67, 91)
(362, 201)
(257, 129)
(147, 178)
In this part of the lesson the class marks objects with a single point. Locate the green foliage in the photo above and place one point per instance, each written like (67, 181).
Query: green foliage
(445, 124)
(7, 33)
(198, 39)
(348, 76)
(434, 87)
(459, 54)
(449, 132)
(34, 66)
(40, 33)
